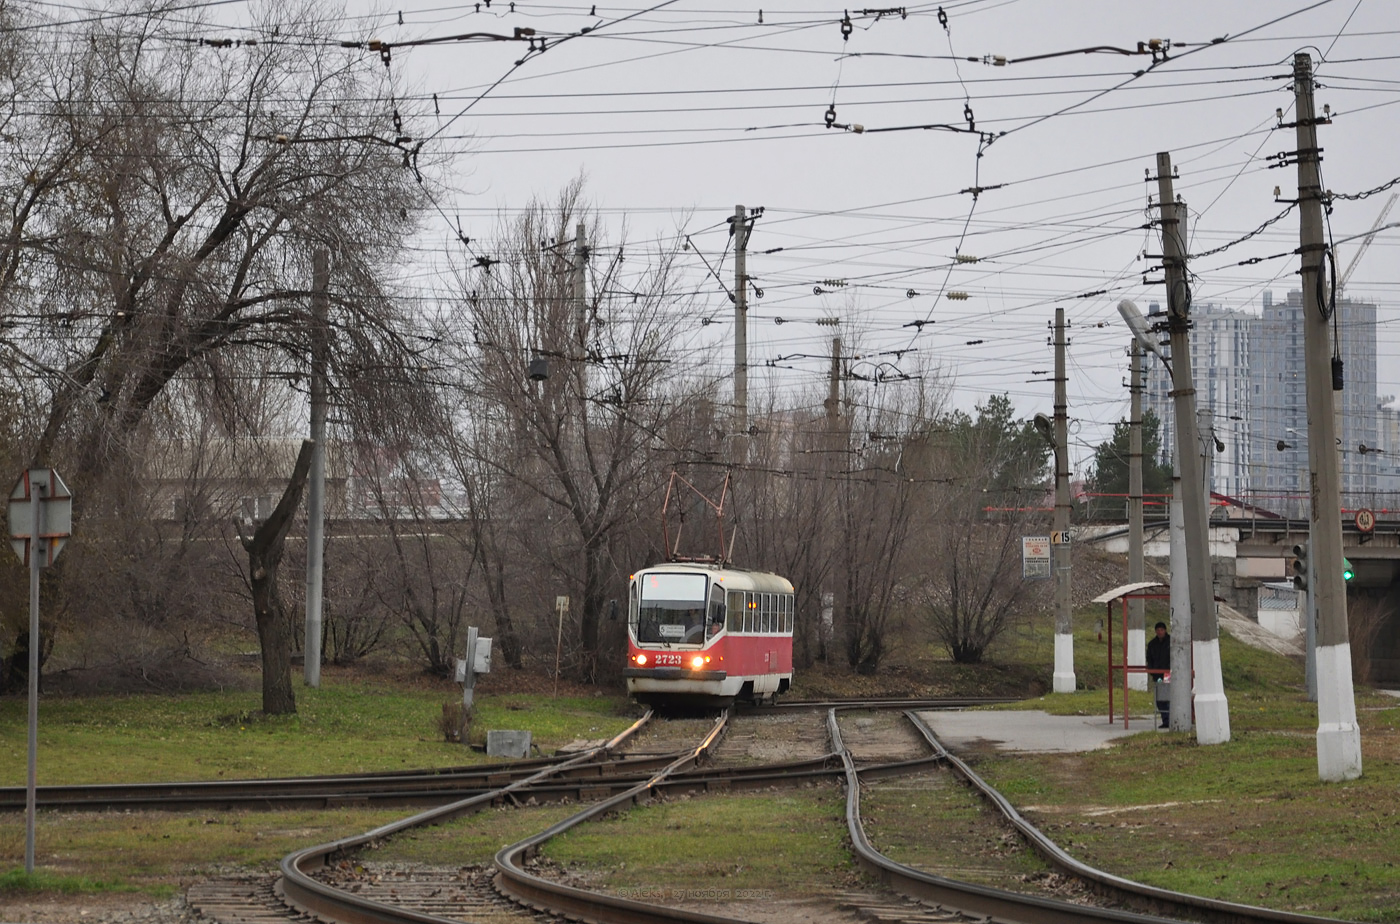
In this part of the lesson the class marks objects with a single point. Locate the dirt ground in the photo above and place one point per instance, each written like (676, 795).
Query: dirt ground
(107, 908)
(881, 737)
(774, 738)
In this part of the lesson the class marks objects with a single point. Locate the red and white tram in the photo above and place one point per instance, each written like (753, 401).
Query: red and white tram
(703, 633)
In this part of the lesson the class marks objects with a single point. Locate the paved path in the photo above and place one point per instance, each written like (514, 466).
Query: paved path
(1030, 732)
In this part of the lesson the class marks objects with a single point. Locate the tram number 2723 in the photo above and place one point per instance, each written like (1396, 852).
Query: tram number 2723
(667, 658)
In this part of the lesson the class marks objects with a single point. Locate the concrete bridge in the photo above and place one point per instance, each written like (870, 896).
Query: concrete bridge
(1247, 551)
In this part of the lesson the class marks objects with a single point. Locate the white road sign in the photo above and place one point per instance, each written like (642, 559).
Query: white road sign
(55, 515)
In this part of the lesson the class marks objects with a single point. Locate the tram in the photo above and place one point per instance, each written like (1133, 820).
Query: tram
(704, 634)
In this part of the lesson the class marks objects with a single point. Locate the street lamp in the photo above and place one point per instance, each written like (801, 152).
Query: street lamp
(1211, 709)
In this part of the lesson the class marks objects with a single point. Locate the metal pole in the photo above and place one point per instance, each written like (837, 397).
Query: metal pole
(1137, 639)
(1310, 626)
(1212, 710)
(741, 324)
(1338, 735)
(469, 675)
(558, 644)
(1063, 679)
(36, 552)
(316, 485)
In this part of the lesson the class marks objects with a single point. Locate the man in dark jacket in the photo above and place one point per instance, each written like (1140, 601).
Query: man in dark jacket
(1159, 662)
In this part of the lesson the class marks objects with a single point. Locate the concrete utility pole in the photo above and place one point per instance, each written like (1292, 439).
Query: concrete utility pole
(1180, 619)
(316, 484)
(833, 397)
(741, 324)
(1310, 626)
(1212, 711)
(1137, 641)
(1063, 679)
(580, 274)
(1338, 735)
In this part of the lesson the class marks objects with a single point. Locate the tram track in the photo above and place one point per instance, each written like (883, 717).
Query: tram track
(1006, 905)
(601, 779)
(330, 883)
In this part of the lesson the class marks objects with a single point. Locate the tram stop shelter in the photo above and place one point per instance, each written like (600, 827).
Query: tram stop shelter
(1142, 590)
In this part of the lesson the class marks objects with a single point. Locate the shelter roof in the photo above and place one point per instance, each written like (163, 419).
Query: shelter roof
(1125, 590)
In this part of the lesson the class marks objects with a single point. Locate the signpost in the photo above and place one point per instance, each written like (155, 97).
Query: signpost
(41, 519)
(1035, 557)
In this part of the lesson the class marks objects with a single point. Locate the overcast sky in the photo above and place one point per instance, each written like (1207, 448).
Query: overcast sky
(675, 114)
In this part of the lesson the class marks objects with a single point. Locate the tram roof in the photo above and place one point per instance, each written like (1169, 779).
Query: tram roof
(731, 578)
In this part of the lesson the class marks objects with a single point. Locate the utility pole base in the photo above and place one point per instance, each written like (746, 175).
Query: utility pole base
(1137, 654)
(1064, 680)
(1338, 735)
(1212, 710)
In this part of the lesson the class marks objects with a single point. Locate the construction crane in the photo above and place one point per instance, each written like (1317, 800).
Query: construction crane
(1366, 241)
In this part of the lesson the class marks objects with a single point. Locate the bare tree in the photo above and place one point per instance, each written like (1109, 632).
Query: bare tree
(972, 590)
(164, 202)
(877, 497)
(177, 194)
(584, 440)
(968, 588)
(788, 510)
(264, 549)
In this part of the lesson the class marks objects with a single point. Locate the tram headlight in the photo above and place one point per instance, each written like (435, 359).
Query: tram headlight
(641, 660)
(697, 662)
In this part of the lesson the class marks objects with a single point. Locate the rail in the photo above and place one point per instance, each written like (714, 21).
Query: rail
(1163, 900)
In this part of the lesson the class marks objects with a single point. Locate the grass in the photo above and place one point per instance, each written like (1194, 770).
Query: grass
(342, 727)
(471, 838)
(972, 843)
(787, 845)
(17, 881)
(1247, 820)
(154, 852)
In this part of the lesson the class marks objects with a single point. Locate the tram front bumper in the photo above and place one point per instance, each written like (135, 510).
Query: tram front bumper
(671, 673)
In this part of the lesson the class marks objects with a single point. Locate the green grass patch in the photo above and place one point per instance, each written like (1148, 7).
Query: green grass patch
(937, 823)
(342, 727)
(471, 838)
(1246, 821)
(151, 852)
(790, 844)
(17, 881)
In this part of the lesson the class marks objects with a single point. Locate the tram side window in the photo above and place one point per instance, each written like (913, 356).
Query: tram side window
(767, 612)
(716, 612)
(749, 612)
(736, 611)
(791, 603)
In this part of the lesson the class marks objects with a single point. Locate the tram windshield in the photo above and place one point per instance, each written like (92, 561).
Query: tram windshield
(671, 609)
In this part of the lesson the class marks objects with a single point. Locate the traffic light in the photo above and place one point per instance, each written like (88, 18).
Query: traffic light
(1300, 566)
(1347, 572)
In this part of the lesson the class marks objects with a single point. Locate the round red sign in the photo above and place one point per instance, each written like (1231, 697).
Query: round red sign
(1365, 520)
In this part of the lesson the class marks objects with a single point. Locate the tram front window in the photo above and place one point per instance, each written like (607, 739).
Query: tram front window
(672, 609)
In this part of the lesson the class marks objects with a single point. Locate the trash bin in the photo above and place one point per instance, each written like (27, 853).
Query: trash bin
(1164, 698)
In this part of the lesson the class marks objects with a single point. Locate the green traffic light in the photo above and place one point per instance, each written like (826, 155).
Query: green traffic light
(1347, 572)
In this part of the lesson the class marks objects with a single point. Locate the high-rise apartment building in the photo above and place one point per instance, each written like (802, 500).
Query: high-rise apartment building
(1252, 394)
(1280, 394)
(1221, 343)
